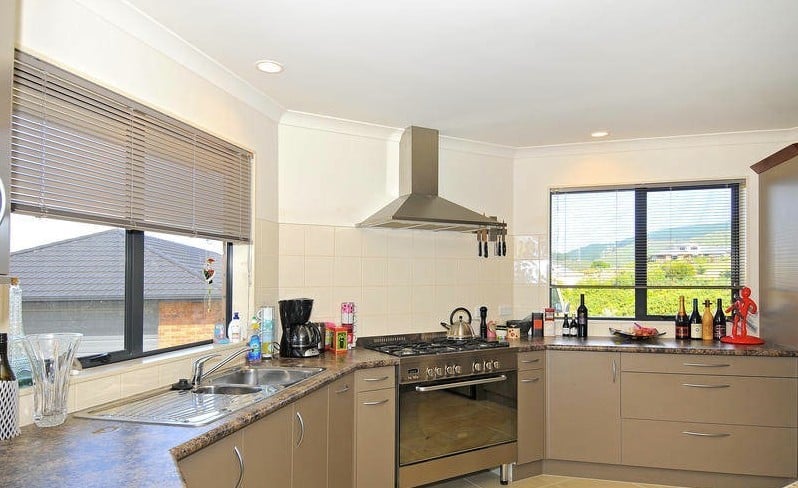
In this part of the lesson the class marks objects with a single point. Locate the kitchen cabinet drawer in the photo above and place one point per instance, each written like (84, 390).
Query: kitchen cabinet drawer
(375, 378)
(738, 400)
(714, 365)
(763, 451)
(531, 360)
(341, 434)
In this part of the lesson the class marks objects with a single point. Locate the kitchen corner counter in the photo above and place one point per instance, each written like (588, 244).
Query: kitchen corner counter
(84, 452)
(663, 346)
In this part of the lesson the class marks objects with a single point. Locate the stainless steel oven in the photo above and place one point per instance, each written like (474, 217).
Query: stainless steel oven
(457, 414)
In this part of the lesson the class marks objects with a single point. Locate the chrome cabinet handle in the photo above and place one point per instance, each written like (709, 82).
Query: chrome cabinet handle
(343, 390)
(301, 429)
(240, 466)
(704, 365)
(527, 361)
(530, 380)
(376, 403)
(694, 385)
(614, 371)
(705, 434)
(458, 384)
(376, 379)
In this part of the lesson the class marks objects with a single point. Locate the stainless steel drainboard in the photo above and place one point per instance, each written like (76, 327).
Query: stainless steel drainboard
(176, 407)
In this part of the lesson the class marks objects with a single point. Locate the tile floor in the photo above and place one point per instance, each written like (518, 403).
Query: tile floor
(488, 479)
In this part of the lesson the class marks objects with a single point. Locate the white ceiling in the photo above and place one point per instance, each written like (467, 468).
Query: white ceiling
(512, 72)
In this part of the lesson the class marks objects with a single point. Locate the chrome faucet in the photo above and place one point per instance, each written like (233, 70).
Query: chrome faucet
(197, 375)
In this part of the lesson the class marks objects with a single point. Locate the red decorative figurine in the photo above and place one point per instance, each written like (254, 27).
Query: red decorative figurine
(740, 310)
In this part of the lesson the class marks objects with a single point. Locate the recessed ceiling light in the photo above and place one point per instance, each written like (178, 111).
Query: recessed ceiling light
(269, 66)
(599, 133)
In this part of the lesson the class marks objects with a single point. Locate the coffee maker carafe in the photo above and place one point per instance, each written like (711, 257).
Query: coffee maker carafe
(299, 339)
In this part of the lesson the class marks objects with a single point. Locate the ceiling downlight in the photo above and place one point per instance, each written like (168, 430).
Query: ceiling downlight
(269, 66)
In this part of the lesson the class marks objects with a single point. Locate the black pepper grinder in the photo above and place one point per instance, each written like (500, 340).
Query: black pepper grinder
(483, 322)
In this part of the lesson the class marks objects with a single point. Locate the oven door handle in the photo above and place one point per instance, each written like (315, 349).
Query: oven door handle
(481, 381)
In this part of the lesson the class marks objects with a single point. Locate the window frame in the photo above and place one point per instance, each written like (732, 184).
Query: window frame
(641, 286)
(134, 306)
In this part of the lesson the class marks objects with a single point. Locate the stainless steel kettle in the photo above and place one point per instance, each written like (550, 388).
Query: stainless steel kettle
(461, 329)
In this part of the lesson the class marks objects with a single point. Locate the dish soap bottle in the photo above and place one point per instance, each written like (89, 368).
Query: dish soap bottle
(234, 329)
(254, 355)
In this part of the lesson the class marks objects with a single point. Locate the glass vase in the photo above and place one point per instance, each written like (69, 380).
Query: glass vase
(51, 358)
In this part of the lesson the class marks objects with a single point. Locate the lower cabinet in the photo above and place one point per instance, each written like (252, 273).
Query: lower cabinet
(375, 428)
(266, 446)
(531, 406)
(309, 464)
(219, 465)
(341, 433)
(584, 406)
(288, 448)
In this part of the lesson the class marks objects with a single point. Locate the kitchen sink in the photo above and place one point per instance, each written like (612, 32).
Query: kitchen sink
(268, 376)
(226, 390)
(181, 407)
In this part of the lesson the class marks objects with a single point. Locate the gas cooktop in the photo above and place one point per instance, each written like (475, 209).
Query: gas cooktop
(426, 344)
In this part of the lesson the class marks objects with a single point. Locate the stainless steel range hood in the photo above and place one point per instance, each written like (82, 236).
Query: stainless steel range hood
(420, 207)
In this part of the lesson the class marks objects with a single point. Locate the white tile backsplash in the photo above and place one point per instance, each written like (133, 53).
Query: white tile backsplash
(292, 240)
(374, 271)
(319, 270)
(401, 281)
(319, 240)
(97, 391)
(348, 241)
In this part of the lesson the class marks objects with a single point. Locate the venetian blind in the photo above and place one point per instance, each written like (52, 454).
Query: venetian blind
(82, 152)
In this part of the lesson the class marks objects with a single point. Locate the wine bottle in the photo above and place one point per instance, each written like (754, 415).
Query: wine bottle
(682, 321)
(706, 322)
(695, 322)
(581, 317)
(565, 328)
(9, 394)
(574, 328)
(719, 322)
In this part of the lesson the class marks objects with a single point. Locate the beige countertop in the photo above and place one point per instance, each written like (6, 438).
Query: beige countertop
(88, 453)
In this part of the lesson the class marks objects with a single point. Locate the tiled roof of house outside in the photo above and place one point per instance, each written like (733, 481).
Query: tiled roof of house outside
(92, 267)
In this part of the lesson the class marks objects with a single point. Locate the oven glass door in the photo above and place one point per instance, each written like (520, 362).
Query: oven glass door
(442, 418)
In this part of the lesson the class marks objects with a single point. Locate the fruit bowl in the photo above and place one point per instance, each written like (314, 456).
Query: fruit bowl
(637, 334)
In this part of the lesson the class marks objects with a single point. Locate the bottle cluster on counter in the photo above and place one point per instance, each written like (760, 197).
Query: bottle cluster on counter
(576, 326)
(706, 327)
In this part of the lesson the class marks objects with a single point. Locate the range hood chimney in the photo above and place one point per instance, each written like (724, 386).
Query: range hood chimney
(420, 207)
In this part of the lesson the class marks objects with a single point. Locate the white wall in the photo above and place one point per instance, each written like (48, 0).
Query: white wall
(89, 38)
(334, 174)
(712, 157)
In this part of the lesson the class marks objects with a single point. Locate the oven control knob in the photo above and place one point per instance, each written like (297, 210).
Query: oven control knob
(458, 369)
(430, 373)
(477, 367)
(495, 364)
(438, 371)
(449, 369)
(488, 366)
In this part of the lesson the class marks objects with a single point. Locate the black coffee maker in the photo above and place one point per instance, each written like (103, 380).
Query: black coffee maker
(300, 338)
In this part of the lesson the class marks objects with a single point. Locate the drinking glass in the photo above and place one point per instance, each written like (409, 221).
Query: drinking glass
(51, 358)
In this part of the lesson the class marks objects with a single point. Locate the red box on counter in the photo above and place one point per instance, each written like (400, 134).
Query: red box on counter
(340, 339)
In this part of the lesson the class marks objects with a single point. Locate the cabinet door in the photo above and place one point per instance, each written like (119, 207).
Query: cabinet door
(267, 448)
(583, 394)
(375, 438)
(309, 465)
(215, 466)
(531, 411)
(341, 454)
